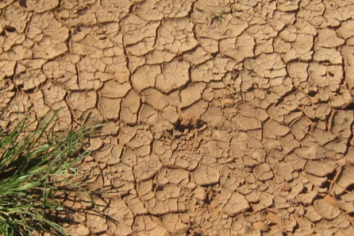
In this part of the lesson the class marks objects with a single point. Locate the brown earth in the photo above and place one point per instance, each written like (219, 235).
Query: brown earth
(221, 117)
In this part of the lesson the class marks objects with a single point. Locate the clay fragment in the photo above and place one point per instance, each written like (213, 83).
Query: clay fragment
(263, 172)
(261, 226)
(136, 29)
(343, 180)
(312, 152)
(78, 230)
(312, 214)
(119, 211)
(285, 170)
(174, 75)
(109, 154)
(350, 156)
(82, 101)
(136, 205)
(238, 49)
(326, 210)
(235, 204)
(320, 168)
(307, 198)
(273, 129)
(206, 174)
(345, 202)
(346, 29)
(167, 199)
(147, 168)
(109, 107)
(315, 180)
(152, 10)
(328, 38)
(191, 94)
(176, 36)
(96, 224)
(226, 27)
(144, 224)
(114, 89)
(173, 223)
(129, 108)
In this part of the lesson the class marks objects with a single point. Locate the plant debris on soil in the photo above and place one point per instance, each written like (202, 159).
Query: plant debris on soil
(222, 117)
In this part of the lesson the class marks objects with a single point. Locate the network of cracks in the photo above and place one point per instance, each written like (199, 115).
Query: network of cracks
(221, 117)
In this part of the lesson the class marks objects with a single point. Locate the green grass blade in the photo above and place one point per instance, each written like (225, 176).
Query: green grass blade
(29, 171)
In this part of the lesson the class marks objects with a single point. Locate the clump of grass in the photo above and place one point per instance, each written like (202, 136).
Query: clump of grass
(35, 166)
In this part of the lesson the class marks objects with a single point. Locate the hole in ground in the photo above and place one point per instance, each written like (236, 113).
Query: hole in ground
(188, 123)
(10, 29)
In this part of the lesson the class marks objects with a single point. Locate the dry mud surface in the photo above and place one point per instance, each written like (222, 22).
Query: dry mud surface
(221, 117)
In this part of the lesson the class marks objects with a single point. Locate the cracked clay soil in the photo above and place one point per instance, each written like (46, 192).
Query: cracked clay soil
(222, 117)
